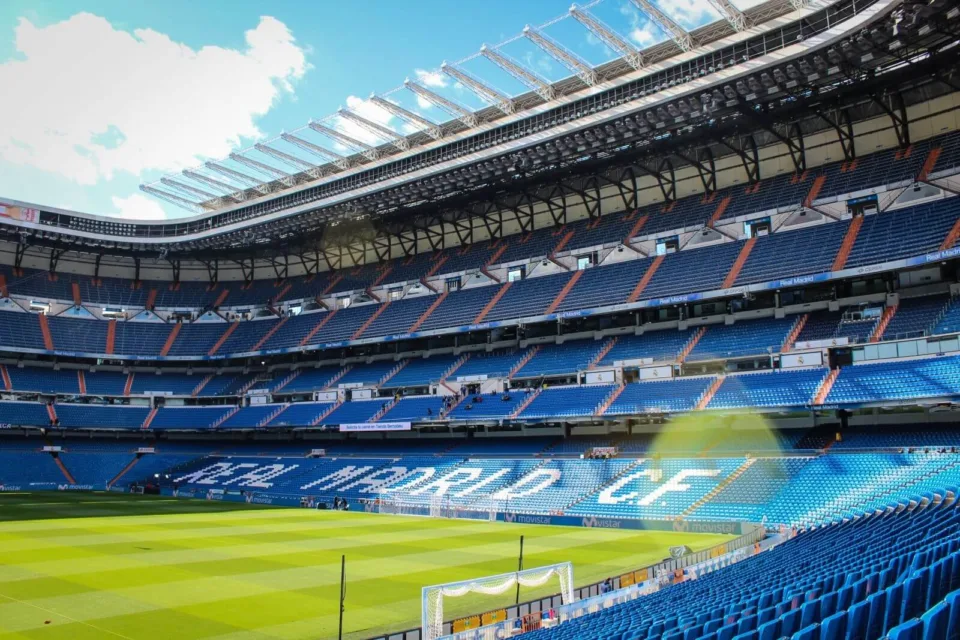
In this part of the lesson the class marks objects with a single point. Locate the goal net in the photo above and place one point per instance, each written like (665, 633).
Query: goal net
(433, 597)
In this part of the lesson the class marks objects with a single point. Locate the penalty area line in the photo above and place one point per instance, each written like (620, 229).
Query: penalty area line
(62, 615)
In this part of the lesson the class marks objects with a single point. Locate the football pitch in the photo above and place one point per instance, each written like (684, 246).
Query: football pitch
(84, 566)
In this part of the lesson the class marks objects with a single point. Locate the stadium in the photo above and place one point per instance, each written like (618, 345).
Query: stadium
(669, 348)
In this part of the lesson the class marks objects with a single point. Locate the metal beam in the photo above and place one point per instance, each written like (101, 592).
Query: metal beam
(312, 170)
(241, 177)
(463, 114)
(237, 193)
(521, 73)
(567, 58)
(611, 38)
(391, 136)
(190, 205)
(330, 156)
(366, 150)
(430, 128)
(665, 22)
(266, 169)
(486, 93)
(731, 14)
(186, 188)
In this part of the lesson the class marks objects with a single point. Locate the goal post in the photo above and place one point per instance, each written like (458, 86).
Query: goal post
(433, 596)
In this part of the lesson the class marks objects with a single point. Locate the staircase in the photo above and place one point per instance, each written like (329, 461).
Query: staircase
(794, 333)
(496, 254)
(111, 336)
(384, 411)
(436, 266)
(203, 383)
(269, 334)
(848, 241)
(129, 384)
(718, 213)
(563, 242)
(63, 469)
(327, 317)
(738, 263)
(45, 331)
(339, 375)
(221, 298)
(691, 344)
(52, 413)
(290, 378)
(444, 413)
(273, 416)
(3, 286)
(815, 188)
(951, 238)
(604, 350)
(723, 484)
(635, 229)
(174, 331)
(151, 299)
(571, 283)
(383, 275)
(528, 356)
(376, 314)
(881, 326)
(225, 417)
(526, 403)
(609, 400)
(426, 314)
(709, 393)
(493, 302)
(75, 289)
(332, 284)
(149, 419)
(393, 372)
(645, 280)
(286, 289)
(929, 163)
(323, 416)
(5, 375)
(824, 389)
(226, 335)
(246, 386)
(82, 382)
(456, 365)
(123, 472)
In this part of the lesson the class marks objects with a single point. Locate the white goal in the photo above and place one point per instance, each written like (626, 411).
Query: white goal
(432, 597)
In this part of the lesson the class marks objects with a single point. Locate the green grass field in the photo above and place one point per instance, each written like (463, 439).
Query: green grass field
(79, 566)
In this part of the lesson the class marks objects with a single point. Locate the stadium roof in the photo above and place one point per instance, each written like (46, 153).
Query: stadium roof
(349, 139)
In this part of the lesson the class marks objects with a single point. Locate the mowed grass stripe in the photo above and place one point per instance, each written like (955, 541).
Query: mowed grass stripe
(238, 579)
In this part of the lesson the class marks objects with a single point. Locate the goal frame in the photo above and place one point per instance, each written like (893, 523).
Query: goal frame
(432, 614)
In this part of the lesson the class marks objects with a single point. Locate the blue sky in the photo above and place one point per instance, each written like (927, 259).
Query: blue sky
(101, 95)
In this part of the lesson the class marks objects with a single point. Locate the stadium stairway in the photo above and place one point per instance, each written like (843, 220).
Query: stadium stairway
(149, 419)
(229, 414)
(393, 372)
(608, 345)
(597, 489)
(45, 331)
(718, 212)
(794, 333)
(111, 337)
(847, 246)
(824, 389)
(636, 228)
(75, 291)
(174, 332)
(221, 298)
(199, 388)
(723, 484)
(738, 263)
(952, 237)
(929, 163)
(563, 292)
(5, 375)
(709, 393)
(323, 416)
(327, 317)
(492, 303)
(273, 415)
(426, 314)
(522, 362)
(63, 469)
(224, 337)
(151, 299)
(881, 326)
(82, 382)
(269, 334)
(344, 371)
(3, 286)
(645, 279)
(610, 399)
(124, 471)
(376, 314)
(815, 189)
(526, 403)
(691, 344)
(52, 413)
(129, 384)
(286, 380)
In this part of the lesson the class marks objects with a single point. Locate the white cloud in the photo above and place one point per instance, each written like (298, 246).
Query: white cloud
(137, 207)
(423, 103)
(369, 111)
(434, 79)
(86, 100)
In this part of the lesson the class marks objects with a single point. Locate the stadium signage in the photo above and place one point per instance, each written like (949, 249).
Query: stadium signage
(602, 523)
(10, 487)
(75, 487)
(374, 426)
